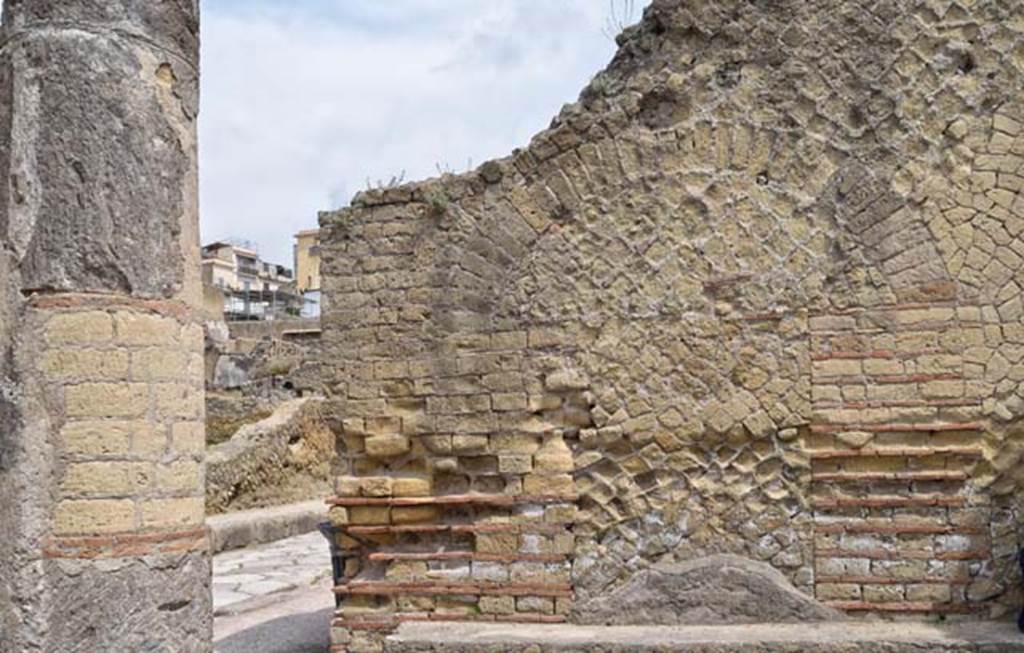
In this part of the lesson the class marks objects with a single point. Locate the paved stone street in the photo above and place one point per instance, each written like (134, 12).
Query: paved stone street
(297, 621)
(245, 574)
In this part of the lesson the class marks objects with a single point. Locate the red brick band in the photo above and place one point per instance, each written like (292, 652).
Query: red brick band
(125, 545)
(558, 590)
(911, 403)
(164, 307)
(763, 317)
(859, 477)
(884, 379)
(900, 306)
(470, 555)
(937, 608)
(874, 353)
(891, 502)
(909, 327)
(889, 580)
(456, 528)
(884, 554)
(389, 622)
(899, 428)
(896, 452)
(898, 529)
(452, 499)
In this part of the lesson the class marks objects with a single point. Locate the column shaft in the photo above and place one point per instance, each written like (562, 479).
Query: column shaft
(102, 544)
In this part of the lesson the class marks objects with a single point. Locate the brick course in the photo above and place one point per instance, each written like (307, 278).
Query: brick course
(132, 451)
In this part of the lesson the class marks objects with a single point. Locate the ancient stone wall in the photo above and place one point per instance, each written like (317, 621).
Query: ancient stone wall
(757, 293)
(102, 542)
(284, 458)
(263, 355)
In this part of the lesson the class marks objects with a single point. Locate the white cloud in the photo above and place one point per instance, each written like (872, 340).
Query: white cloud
(303, 101)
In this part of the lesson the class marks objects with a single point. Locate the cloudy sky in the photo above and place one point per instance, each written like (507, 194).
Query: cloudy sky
(304, 100)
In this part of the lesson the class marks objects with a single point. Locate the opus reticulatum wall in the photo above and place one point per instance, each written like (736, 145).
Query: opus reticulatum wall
(757, 292)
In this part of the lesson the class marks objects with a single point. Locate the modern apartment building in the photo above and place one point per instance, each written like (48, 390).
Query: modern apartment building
(233, 267)
(253, 289)
(307, 270)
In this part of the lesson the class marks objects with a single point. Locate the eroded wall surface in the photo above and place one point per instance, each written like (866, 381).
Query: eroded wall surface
(757, 292)
(283, 458)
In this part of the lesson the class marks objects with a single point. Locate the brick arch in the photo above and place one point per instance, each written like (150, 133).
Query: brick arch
(884, 232)
(899, 431)
(565, 200)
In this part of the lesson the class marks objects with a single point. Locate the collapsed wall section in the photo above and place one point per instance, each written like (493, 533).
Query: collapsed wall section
(756, 293)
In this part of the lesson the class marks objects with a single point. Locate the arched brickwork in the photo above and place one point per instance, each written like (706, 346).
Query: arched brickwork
(770, 241)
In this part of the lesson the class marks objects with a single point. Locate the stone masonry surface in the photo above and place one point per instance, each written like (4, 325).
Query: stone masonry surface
(758, 292)
(273, 461)
(867, 637)
(102, 541)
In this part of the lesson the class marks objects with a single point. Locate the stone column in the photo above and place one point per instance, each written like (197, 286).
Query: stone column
(102, 544)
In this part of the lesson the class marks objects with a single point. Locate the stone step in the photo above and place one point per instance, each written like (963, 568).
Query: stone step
(245, 528)
(831, 637)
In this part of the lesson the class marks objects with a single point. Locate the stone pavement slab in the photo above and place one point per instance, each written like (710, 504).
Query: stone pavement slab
(242, 575)
(832, 637)
(296, 621)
